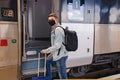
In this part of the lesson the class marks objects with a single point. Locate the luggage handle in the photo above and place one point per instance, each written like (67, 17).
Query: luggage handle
(39, 64)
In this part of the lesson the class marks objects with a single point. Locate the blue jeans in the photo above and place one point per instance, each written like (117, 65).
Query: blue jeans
(61, 66)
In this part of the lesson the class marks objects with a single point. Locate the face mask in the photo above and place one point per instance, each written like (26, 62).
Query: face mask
(51, 22)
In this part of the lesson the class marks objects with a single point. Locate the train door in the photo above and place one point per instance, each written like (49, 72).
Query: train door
(36, 32)
(9, 40)
(78, 15)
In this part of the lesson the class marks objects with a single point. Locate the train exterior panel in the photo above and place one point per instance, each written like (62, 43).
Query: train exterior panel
(10, 40)
(24, 30)
(8, 47)
(79, 16)
(8, 50)
(84, 54)
(107, 26)
(107, 38)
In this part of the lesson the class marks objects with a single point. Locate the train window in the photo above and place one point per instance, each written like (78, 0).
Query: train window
(107, 11)
(72, 10)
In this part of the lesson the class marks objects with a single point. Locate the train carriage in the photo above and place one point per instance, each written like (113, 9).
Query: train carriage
(24, 31)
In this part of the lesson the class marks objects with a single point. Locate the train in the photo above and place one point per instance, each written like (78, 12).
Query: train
(24, 31)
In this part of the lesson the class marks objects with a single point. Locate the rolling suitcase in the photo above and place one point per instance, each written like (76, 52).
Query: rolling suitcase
(38, 77)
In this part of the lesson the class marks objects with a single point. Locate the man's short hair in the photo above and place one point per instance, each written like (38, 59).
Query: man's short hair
(53, 15)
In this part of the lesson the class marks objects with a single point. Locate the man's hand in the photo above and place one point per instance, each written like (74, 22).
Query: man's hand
(43, 51)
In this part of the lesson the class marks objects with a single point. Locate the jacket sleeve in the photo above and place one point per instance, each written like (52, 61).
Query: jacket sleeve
(57, 41)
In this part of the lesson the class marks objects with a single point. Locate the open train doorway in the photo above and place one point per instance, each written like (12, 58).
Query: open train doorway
(36, 32)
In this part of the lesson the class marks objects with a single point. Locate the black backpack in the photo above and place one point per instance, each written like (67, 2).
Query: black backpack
(71, 40)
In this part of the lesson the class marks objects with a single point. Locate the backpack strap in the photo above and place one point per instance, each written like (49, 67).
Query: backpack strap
(64, 33)
(62, 42)
(59, 51)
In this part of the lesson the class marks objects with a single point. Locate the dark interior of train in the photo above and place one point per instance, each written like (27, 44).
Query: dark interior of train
(37, 28)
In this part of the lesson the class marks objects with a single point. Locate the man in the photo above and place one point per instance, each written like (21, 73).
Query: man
(57, 49)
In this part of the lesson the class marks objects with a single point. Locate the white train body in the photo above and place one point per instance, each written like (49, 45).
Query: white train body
(84, 54)
(22, 33)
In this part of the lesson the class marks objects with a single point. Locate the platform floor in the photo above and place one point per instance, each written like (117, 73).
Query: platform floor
(112, 77)
(9, 73)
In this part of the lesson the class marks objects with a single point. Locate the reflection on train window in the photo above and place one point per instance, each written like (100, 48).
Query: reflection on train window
(109, 11)
(74, 10)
